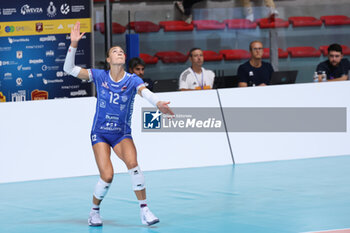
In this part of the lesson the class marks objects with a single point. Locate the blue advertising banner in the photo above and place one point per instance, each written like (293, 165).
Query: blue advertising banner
(34, 39)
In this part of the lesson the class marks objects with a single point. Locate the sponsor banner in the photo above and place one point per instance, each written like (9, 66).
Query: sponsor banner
(34, 39)
(265, 120)
(39, 9)
(42, 27)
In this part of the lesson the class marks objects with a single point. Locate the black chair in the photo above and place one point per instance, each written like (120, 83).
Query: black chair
(166, 85)
(226, 81)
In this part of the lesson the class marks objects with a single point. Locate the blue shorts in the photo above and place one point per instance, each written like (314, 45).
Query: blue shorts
(111, 139)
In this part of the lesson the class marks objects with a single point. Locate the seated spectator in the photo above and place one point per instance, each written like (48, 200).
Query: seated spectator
(185, 7)
(336, 67)
(248, 10)
(196, 77)
(137, 66)
(255, 72)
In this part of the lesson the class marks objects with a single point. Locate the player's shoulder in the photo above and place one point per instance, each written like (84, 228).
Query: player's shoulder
(209, 72)
(185, 73)
(133, 77)
(345, 61)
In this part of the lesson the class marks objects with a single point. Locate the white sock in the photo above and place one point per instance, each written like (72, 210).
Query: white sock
(143, 203)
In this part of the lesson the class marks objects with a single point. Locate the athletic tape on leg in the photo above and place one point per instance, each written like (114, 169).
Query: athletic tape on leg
(101, 189)
(137, 178)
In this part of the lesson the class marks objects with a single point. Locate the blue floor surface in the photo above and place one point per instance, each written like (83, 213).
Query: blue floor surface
(287, 196)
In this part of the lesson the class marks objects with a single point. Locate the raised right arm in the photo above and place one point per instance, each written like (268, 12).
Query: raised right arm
(69, 64)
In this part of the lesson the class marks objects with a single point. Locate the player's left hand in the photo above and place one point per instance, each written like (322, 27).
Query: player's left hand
(164, 108)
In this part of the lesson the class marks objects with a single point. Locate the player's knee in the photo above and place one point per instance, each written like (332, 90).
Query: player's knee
(101, 189)
(132, 164)
(137, 178)
(108, 178)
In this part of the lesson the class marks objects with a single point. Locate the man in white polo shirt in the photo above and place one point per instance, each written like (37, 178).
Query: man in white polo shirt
(196, 77)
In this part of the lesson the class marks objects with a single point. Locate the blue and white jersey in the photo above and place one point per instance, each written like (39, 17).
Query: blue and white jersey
(115, 101)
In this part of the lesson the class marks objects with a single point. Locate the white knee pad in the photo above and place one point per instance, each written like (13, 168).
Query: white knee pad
(137, 179)
(101, 189)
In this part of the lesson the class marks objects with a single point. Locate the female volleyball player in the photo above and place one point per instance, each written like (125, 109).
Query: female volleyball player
(116, 90)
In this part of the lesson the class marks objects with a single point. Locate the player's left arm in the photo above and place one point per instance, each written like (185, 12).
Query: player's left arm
(342, 78)
(154, 100)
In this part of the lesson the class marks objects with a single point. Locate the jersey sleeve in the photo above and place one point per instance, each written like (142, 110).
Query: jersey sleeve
(91, 77)
(138, 82)
(183, 81)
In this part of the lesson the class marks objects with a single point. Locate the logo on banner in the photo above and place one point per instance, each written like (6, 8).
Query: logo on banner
(50, 53)
(9, 29)
(39, 95)
(19, 81)
(7, 76)
(2, 97)
(51, 10)
(19, 96)
(65, 8)
(39, 27)
(152, 119)
(12, 40)
(27, 10)
(47, 38)
(19, 54)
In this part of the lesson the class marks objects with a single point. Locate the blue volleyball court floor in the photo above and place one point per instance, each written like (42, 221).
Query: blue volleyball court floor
(307, 195)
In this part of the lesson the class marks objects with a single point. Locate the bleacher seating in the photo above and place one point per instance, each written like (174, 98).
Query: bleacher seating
(272, 23)
(281, 53)
(175, 25)
(235, 54)
(212, 56)
(303, 51)
(208, 25)
(240, 24)
(144, 26)
(305, 21)
(116, 28)
(171, 57)
(148, 59)
(335, 20)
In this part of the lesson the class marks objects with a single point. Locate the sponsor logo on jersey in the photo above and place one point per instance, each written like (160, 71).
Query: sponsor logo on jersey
(105, 85)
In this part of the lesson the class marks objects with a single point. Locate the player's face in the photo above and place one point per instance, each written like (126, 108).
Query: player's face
(197, 57)
(335, 57)
(257, 50)
(139, 70)
(116, 56)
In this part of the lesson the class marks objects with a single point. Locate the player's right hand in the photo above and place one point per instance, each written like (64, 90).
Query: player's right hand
(75, 34)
